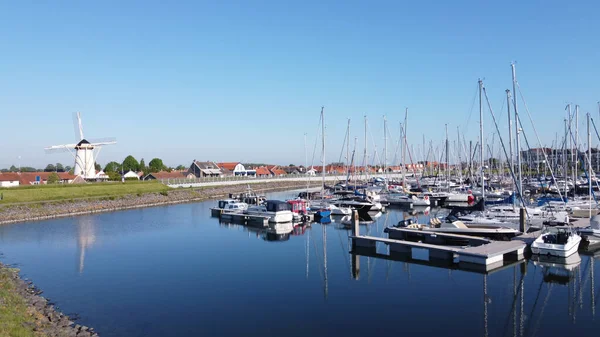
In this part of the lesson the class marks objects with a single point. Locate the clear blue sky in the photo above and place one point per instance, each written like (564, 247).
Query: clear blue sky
(243, 81)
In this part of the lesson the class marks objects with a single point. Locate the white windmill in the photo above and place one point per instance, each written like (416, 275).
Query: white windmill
(84, 152)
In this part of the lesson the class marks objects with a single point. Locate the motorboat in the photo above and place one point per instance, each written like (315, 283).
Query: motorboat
(228, 205)
(559, 241)
(591, 234)
(276, 210)
(459, 227)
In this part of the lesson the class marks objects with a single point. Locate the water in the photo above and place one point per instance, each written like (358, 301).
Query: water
(175, 271)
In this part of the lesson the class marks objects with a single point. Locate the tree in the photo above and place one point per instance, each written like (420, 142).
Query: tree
(156, 165)
(53, 178)
(143, 166)
(97, 167)
(50, 168)
(114, 176)
(113, 166)
(68, 168)
(60, 167)
(13, 168)
(181, 168)
(130, 164)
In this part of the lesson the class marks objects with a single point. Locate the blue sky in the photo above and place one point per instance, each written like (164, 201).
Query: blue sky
(243, 81)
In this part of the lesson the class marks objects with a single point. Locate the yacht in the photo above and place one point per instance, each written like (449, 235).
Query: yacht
(559, 241)
(228, 205)
(276, 210)
(459, 227)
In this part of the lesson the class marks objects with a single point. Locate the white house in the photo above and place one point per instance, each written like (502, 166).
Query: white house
(131, 175)
(9, 179)
(233, 168)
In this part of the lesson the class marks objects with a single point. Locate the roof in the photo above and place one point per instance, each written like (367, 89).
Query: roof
(169, 175)
(9, 176)
(228, 166)
(203, 165)
(26, 178)
(278, 171)
(262, 171)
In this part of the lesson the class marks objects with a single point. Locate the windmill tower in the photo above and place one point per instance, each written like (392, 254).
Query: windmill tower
(84, 152)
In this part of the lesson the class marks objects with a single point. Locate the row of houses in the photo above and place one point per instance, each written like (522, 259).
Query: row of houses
(12, 179)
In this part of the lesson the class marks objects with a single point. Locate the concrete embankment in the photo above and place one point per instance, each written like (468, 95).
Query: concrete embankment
(55, 209)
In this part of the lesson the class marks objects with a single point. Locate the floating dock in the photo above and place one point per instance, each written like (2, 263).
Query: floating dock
(429, 246)
(245, 219)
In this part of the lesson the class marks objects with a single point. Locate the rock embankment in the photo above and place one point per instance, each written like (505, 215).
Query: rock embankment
(54, 209)
(42, 317)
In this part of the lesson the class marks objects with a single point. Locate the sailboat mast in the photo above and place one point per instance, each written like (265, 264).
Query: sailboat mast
(589, 162)
(576, 164)
(517, 131)
(404, 150)
(385, 148)
(510, 144)
(323, 152)
(564, 158)
(347, 154)
(366, 153)
(459, 157)
(447, 160)
(481, 140)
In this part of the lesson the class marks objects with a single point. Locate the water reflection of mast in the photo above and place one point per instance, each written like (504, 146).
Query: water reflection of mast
(308, 251)
(325, 259)
(85, 239)
(592, 260)
(485, 306)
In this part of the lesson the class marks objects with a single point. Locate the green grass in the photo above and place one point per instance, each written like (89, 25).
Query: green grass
(14, 312)
(32, 194)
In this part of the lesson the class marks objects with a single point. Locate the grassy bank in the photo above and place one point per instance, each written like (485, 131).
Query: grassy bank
(40, 193)
(17, 318)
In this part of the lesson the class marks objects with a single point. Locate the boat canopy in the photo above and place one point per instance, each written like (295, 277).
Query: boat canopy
(278, 205)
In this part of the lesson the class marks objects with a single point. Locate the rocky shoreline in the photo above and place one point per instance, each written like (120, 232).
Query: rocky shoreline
(56, 209)
(43, 319)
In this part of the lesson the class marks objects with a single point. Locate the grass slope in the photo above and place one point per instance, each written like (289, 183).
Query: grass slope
(14, 312)
(66, 192)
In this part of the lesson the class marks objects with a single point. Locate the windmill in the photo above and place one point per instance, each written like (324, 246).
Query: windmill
(84, 152)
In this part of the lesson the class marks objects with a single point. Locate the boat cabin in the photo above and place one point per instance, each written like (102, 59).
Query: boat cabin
(277, 206)
(298, 206)
(223, 203)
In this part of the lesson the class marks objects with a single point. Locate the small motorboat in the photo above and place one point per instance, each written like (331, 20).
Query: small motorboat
(276, 210)
(556, 241)
(458, 227)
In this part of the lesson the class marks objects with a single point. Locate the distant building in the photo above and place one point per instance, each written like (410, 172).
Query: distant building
(9, 179)
(233, 168)
(276, 171)
(131, 175)
(263, 172)
(164, 175)
(205, 169)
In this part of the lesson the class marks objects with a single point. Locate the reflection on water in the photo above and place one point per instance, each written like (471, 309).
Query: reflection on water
(172, 271)
(85, 238)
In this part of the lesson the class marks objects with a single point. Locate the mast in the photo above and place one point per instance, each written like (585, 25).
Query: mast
(447, 161)
(366, 156)
(571, 140)
(589, 162)
(564, 159)
(348, 154)
(481, 140)
(323, 152)
(385, 149)
(404, 150)
(306, 166)
(576, 164)
(517, 131)
(459, 157)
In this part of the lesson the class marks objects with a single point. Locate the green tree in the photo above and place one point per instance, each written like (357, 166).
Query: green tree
(60, 167)
(68, 168)
(114, 176)
(130, 164)
(13, 168)
(112, 166)
(53, 178)
(98, 167)
(143, 166)
(181, 168)
(50, 168)
(156, 165)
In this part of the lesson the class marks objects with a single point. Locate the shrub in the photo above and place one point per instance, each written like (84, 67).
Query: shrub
(165, 193)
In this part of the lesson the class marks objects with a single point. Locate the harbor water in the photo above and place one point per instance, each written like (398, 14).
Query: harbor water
(175, 271)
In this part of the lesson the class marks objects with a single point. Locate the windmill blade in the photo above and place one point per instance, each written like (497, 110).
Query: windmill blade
(60, 148)
(102, 141)
(77, 126)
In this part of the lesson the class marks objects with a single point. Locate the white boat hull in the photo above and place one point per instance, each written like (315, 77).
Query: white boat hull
(565, 250)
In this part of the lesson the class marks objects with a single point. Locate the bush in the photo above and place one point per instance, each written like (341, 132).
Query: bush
(165, 193)
(53, 178)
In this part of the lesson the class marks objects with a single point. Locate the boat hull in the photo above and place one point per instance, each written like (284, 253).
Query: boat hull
(565, 250)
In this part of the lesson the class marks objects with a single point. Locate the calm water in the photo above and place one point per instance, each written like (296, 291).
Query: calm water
(175, 271)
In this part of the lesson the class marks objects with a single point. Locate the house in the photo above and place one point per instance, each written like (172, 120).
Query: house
(293, 170)
(312, 171)
(131, 175)
(9, 179)
(263, 172)
(164, 175)
(101, 176)
(38, 178)
(233, 168)
(205, 169)
(276, 171)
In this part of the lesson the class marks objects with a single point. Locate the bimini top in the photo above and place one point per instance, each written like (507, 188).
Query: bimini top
(278, 205)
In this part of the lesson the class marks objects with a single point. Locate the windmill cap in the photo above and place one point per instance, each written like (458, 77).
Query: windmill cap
(83, 142)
